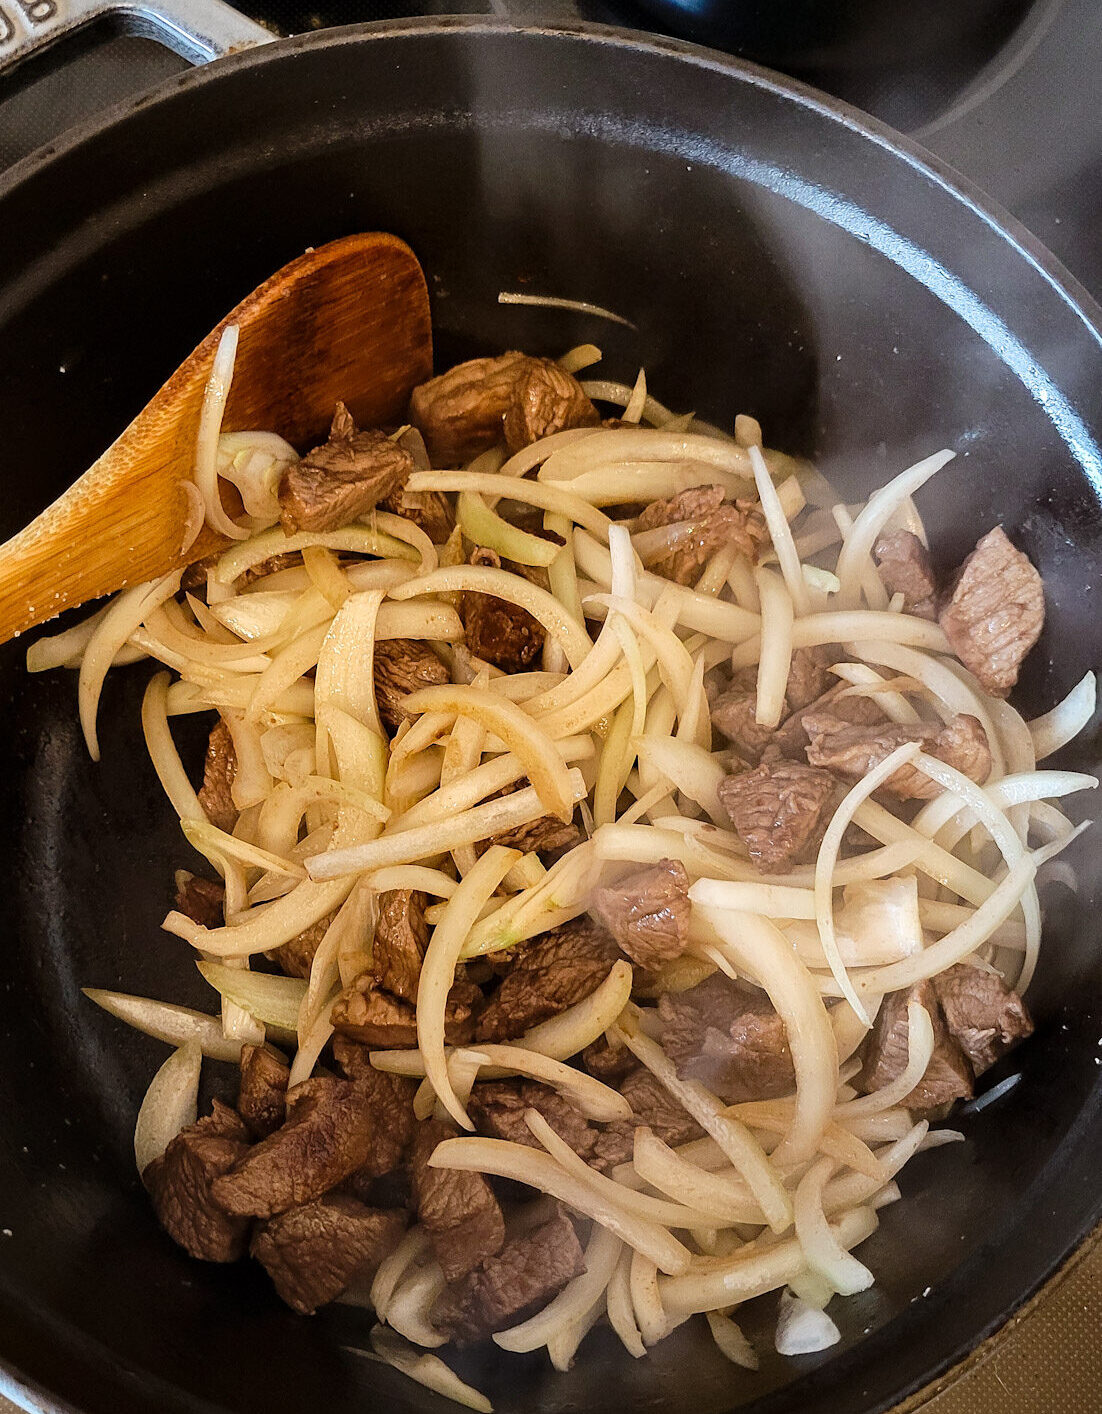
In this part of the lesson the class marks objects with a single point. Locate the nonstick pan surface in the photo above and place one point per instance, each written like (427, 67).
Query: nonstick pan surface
(780, 256)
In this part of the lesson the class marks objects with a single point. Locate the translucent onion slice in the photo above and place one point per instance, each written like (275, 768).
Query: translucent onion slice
(1066, 720)
(167, 1022)
(265, 996)
(169, 1104)
(589, 1096)
(731, 1341)
(621, 1312)
(803, 1329)
(824, 1252)
(389, 1348)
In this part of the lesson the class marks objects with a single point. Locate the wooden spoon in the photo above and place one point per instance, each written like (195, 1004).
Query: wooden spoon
(349, 321)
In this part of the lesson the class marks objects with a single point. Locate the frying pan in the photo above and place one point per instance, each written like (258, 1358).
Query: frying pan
(780, 255)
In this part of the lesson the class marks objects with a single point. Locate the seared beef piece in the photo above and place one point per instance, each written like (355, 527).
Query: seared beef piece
(401, 936)
(201, 900)
(647, 912)
(853, 751)
(984, 1016)
(994, 612)
(286, 560)
(402, 665)
(262, 1098)
(497, 631)
(856, 709)
(180, 1181)
(429, 510)
(374, 1018)
(297, 956)
(612, 1064)
(457, 1208)
(461, 413)
(948, 1076)
(781, 811)
(343, 479)
(651, 1104)
(385, 1190)
(219, 770)
(528, 1272)
(542, 835)
(809, 676)
(734, 714)
(389, 1101)
(497, 1108)
(328, 1134)
(728, 1036)
(551, 973)
(545, 399)
(312, 1253)
(904, 565)
(714, 525)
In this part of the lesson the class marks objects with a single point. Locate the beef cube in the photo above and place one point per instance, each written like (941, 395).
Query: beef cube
(461, 413)
(780, 810)
(551, 973)
(430, 511)
(651, 1104)
(313, 1252)
(262, 1098)
(546, 834)
(497, 631)
(983, 1015)
(402, 665)
(809, 682)
(610, 1064)
(809, 676)
(401, 936)
(327, 1135)
(734, 713)
(219, 771)
(546, 399)
(728, 1036)
(457, 1208)
(497, 1108)
(523, 1277)
(647, 912)
(201, 900)
(994, 612)
(948, 1077)
(713, 523)
(343, 479)
(388, 1099)
(853, 751)
(857, 709)
(373, 1017)
(296, 957)
(180, 1182)
(904, 565)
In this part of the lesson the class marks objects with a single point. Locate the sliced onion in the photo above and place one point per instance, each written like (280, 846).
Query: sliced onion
(169, 1104)
(803, 1329)
(167, 1022)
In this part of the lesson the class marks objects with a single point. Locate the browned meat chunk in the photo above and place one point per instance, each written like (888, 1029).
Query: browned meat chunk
(458, 1209)
(853, 751)
(543, 835)
(712, 525)
(546, 399)
(402, 665)
(262, 1099)
(312, 1253)
(389, 1101)
(497, 1108)
(780, 810)
(286, 560)
(550, 974)
(180, 1181)
(728, 1036)
(373, 1017)
(527, 1273)
(343, 479)
(201, 900)
(297, 956)
(948, 1076)
(651, 1104)
(327, 1135)
(429, 510)
(858, 709)
(809, 676)
(401, 936)
(497, 631)
(647, 912)
(219, 770)
(994, 613)
(734, 714)
(461, 413)
(904, 565)
(984, 1016)
(612, 1064)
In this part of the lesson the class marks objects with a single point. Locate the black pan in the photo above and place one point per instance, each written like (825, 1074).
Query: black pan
(780, 256)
